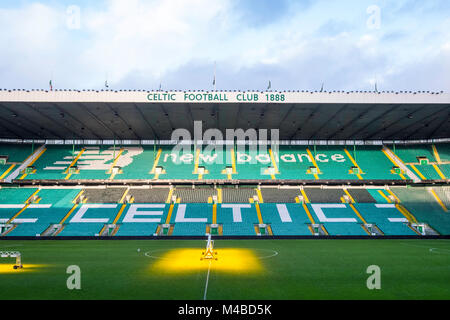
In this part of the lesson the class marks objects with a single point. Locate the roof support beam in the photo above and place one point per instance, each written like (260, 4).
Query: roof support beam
(238, 116)
(263, 111)
(165, 113)
(123, 120)
(32, 122)
(81, 124)
(349, 123)
(328, 121)
(394, 123)
(54, 122)
(11, 130)
(436, 117)
(421, 120)
(191, 118)
(384, 114)
(155, 135)
(99, 121)
(439, 127)
(311, 114)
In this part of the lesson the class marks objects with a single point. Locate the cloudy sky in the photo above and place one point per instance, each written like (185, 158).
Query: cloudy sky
(294, 44)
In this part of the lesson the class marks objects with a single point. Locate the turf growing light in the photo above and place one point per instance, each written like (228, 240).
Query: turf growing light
(13, 254)
(180, 261)
(209, 252)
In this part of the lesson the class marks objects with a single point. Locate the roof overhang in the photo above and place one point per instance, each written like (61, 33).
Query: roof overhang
(153, 115)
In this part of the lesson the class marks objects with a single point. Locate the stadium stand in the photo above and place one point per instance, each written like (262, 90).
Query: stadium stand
(282, 195)
(411, 153)
(147, 195)
(193, 220)
(13, 202)
(321, 176)
(176, 165)
(16, 153)
(61, 200)
(375, 164)
(52, 164)
(425, 208)
(252, 163)
(11, 156)
(443, 194)
(333, 163)
(445, 169)
(143, 228)
(236, 194)
(103, 195)
(360, 195)
(345, 229)
(242, 224)
(15, 195)
(338, 219)
(54, 211)
(286, 219)
(97, 162)
(141, 166)
(211, 164)
(200, 194)
(443, 150)
(324, 195)
(294, 163)
(379, 195)
(379, 214)
(414, 155)
(63, 162)
(137, 229)
(98, 214)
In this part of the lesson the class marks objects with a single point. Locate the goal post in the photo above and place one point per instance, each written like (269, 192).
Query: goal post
(13, 254)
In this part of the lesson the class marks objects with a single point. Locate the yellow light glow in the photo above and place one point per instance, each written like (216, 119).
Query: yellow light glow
(9, 268)
(188, 260)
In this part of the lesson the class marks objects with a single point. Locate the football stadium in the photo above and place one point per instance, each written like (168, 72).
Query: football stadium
(211, 195)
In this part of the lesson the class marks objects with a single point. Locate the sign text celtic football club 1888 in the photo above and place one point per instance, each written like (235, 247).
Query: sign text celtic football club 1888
(216, 97)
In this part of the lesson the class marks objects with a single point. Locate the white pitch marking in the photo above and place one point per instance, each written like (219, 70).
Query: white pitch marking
(149, 254)
(432, 250)
(274, 253)
(207, 280)
(446, 251)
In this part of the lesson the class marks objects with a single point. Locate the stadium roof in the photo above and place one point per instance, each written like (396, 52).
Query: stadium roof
(153, 115)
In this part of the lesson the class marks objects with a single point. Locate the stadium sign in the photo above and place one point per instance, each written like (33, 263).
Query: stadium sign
(223, 97)
(216, 97)
(187, 213)
(94, 159)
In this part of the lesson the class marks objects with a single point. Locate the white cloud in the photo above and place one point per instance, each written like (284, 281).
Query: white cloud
(30, 39)
(155, 37)
(137, 43)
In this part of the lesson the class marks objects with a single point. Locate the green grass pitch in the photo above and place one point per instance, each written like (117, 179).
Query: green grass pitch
(257, 269)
